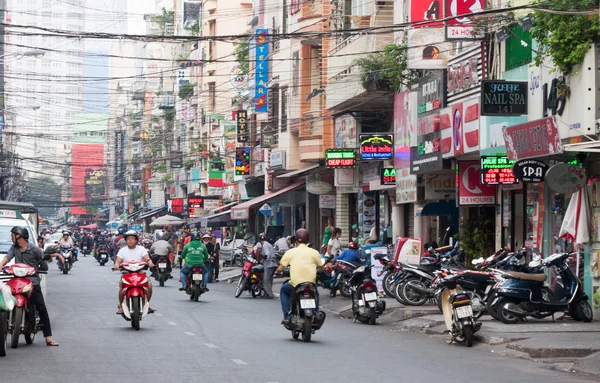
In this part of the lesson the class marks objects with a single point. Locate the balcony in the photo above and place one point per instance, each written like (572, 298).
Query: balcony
(310, 136)
(310, 11)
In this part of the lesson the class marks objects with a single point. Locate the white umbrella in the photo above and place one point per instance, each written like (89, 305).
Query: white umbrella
(166, 220)
(576, 222)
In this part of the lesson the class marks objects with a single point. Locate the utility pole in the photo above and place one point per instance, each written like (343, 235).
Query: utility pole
(3, 160)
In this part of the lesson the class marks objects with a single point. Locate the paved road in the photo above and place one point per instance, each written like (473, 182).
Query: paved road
(223, 339)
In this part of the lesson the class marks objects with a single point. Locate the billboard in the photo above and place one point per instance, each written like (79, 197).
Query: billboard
(261, 71)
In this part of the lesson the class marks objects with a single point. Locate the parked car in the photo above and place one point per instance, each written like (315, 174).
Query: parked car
(232, 252)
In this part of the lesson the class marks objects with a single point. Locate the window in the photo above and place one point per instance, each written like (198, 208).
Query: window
(283, 115)
(284, 18)
(295, 72)
(212, 96)
(361, 7)
(516, 54)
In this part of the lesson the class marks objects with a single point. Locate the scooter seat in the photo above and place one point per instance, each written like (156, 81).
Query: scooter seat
(525, 276)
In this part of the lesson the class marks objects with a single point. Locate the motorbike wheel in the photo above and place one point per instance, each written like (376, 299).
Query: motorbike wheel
(412, 296)
(505, 316)
(372, 317)
(16, 330)
(344, 288)
(30, 329)
(238, 261)
(438, 300)
(581, 311)
(3, 334)
(295, 334)
(307, 331)
(65, 269)
(388, 284)
(256, 292)
(161, 280)
(468, 334)
(136, 313)
(241, 286)
(195, 293)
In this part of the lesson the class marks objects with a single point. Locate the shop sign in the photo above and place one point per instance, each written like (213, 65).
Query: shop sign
(327, 201)
(258, 165)
(431, 91)
(243, 131)
(459, 127)
(376, 146)
(176, 205)
(346, 180)
(503, 98)
(497, 170)
(345, 131)
(176, 160)
(212, 204)
(388, 176)
(242, 162)
(261, 71)
(318, 187)
(238, 214)
(369, 212)
(403, 130)
(340, 158)
(532, 139)
(460, 26)
(277, 160)
(462, 76)
(195, 205)
(566, 178)
(440, 186)
(471, 192)
(406, 187)
(530, 170)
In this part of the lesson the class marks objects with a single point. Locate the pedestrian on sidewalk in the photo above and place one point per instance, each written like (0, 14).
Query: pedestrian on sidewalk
(270, 262)
(214, 250)
(328, 233)
(334, 245)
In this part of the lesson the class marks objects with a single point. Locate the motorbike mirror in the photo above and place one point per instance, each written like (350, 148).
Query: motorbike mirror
(477, 261)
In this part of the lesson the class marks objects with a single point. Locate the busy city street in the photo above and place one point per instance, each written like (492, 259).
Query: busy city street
(223, 339)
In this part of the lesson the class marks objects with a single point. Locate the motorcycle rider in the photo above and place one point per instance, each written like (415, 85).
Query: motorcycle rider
(303, 262)
(24, 252)
(282, 245)
(198, 255)
(65, 241)
(267, 253)
(171, 237)
(351, 255)
(133, 252)
(86, 240)
(161, 248)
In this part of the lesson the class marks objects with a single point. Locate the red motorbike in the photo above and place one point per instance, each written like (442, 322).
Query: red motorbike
(22, 319)
(251, 278)
(135, 283)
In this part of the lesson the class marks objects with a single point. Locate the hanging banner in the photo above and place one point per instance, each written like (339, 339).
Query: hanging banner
(242, 162)
(261, 72)
(243, 130)
(403, 131)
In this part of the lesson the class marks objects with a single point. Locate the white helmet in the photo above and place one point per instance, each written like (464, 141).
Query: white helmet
(131, 233)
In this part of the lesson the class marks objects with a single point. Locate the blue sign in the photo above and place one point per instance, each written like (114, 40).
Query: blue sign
(114, 225)
(261, 71)
(266, 210)
(137, 228)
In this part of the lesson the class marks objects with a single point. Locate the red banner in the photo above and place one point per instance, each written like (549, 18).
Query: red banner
(532, 139)
(471, 191)
(427, 10)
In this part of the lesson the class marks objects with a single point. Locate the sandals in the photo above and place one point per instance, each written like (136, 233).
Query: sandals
(52, 343)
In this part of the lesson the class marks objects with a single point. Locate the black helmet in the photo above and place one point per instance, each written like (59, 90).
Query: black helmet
(302, 236)
(21, 230)
(195, 236)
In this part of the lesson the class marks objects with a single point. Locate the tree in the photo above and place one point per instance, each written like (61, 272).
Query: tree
(44, 193)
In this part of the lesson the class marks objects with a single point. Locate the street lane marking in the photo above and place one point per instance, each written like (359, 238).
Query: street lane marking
(239, 361)
(173, 323)
(189, 333)
(210, 345)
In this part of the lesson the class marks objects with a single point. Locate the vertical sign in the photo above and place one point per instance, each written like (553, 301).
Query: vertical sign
(261, 71)
(242, 162)
(243, 132)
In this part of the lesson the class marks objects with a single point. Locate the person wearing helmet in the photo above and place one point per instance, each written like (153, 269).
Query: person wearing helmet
(67, 241)
(133, 252)
(194, 253)
(303, 262)
(267, 253)
(351, 255)
(161, 248)
(24, 252)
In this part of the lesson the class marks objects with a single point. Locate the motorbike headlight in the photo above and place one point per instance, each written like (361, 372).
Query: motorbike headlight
(20, 271)
(27, 288)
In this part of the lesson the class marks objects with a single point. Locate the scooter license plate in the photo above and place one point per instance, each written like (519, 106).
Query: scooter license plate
(197, 277)
(370, 297)
(162, 265)
(103, 256)
(464, 312)
(308, 304)
(85, 248)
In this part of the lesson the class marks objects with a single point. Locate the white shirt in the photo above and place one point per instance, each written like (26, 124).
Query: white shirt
(128, 255)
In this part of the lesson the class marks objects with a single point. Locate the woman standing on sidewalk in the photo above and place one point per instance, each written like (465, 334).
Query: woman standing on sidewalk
(327, 234)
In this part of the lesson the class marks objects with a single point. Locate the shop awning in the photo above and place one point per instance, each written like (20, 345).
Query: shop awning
(152, 212)
(439, 208)
(213, 211)
(242, 211)
(215, 220)
(298, 172)
(132, 215)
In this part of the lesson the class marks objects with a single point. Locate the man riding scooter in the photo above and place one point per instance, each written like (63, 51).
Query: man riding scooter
(161, 248)
(351, 255)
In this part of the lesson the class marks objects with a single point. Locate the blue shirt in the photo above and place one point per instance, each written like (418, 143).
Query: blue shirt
(348, 255)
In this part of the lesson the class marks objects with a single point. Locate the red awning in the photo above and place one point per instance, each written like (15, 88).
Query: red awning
(93, 226)
(242, 211)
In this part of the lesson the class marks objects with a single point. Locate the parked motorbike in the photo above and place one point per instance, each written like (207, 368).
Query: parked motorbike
(343, 273)
(67, 253)
(304, 318)
(366, 305)
(162, 272)
(458, 310)
(522, 294)
(135, 282)
(194, 283)
(391, 270)
(102, 255)
(251, 277)
(23, 318)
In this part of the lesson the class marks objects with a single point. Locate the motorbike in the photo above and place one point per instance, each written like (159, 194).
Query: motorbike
(102, 255)
(86, 249)
(391, 270)
(194, 283)
(135, 282)
(67, 265)
(251, 278)
(522, 294)
(23, 318)
(343, 273)
(3, 334)
(458, 310)
(304, 319)
(366, 305)
(162, 273)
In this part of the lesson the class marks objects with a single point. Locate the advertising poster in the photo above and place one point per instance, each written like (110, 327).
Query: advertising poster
(369, 212)
(377, 271)
(408, 251)
(229, 143)
(345, 131)
(402, 131)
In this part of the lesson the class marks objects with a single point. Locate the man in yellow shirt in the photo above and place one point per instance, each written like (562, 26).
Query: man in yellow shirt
(303, 262)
